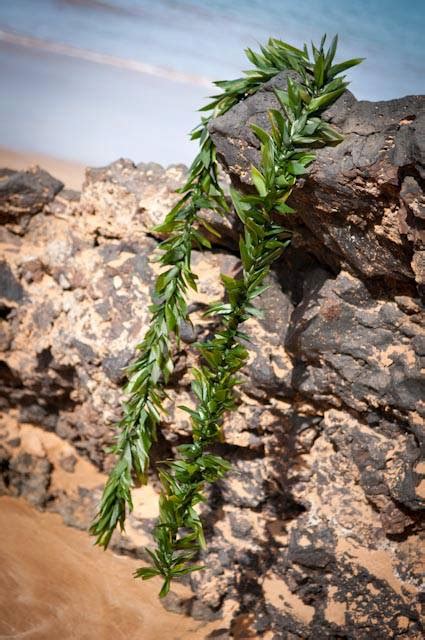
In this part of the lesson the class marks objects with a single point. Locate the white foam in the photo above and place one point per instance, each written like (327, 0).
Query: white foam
(60, 48)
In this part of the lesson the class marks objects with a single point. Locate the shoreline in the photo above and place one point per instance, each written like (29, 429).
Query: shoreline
(69, 172)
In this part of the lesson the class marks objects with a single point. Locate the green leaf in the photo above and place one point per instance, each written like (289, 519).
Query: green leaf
(324, 100)
(305, 140)
(253, 57)
(164, 278)
(343, 66)
(191, 412)
(283, 98)
(284, 209)
(201, 239)
(331, 53)
(288, 47)
(186, 570)
(329, 135)
(191, 281)
(165, 588)
(257, 291)
(210, 105)
(219, 308)
(253, 311)
(239, 203)
(259, 182)
(146, 573)
(261, 134)
(296, 168)
(171, 318)
(209, 228)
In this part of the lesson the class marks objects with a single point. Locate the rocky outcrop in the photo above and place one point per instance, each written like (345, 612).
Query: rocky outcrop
(362, 205)
(315, 532)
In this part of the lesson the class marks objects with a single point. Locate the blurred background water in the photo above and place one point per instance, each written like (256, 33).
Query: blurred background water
(94, 80)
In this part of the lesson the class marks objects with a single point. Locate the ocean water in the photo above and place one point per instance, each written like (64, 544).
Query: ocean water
(93, 80)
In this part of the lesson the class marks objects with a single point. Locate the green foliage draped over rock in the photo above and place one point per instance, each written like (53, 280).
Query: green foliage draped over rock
(287, 150)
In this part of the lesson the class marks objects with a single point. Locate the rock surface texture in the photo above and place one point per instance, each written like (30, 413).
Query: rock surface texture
(316, 531)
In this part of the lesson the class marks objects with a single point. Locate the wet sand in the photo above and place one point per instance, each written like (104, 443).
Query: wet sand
(55, 584)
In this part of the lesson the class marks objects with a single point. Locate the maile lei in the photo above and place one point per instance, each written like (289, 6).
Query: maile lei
(287, 149)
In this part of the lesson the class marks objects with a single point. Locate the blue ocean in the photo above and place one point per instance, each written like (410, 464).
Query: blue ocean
(94, 80)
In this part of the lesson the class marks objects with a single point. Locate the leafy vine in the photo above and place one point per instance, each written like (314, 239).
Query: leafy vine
(286, 152)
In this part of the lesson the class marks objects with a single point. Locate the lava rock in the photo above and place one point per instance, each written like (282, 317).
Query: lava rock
(361, 206)
(25, 193)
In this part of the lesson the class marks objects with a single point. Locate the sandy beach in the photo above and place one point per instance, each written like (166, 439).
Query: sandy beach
(55, 583)
(70, 173)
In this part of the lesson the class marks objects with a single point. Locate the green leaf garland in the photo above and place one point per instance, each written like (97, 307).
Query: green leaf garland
(287, 150)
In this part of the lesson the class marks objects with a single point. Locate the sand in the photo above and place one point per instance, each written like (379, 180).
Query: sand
(55, 584)
(70, 173)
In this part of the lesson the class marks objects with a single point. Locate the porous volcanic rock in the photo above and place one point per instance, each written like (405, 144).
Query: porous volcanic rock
(316, 531)
(24, 193)
(362, 206)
